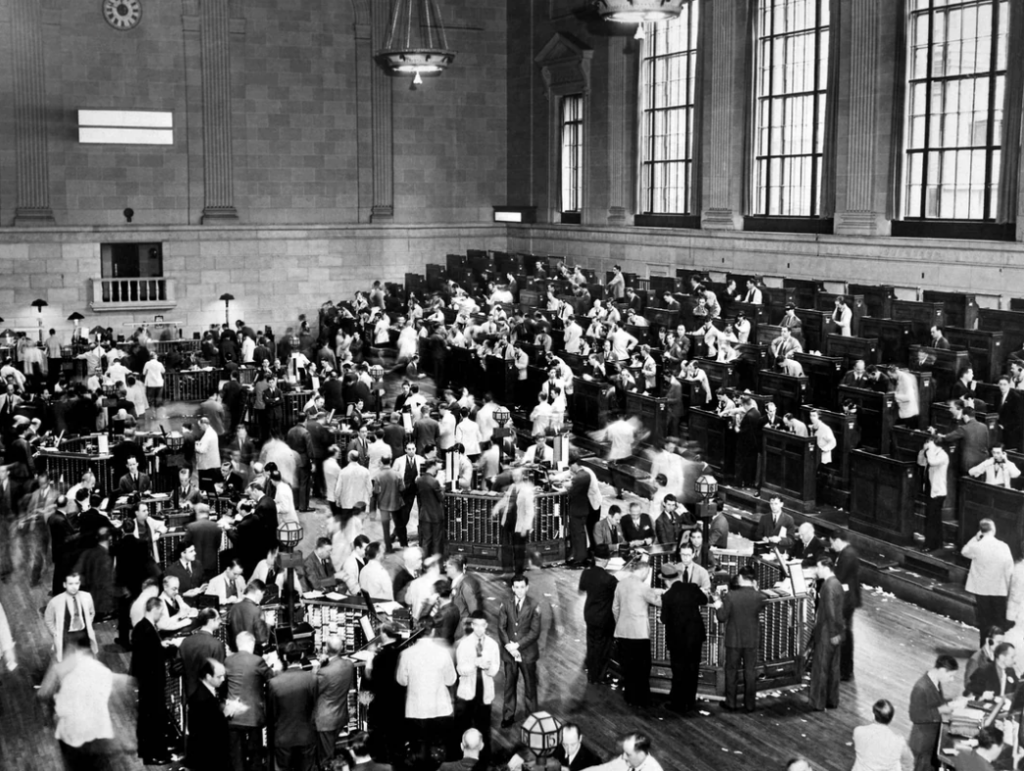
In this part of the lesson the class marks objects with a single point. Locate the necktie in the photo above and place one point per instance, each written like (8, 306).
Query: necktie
(230, 587)
(519, 606)
(410, 472)
(77, 625)
(686, 576)
(479, 672)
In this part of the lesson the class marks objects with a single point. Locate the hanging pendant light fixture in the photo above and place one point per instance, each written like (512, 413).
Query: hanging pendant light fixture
(638, 11)
(416, 42)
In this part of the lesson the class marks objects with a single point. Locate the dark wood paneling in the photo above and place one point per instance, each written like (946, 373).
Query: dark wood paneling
(882, 496)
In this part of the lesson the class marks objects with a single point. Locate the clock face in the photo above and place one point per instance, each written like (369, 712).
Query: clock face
(122, 14)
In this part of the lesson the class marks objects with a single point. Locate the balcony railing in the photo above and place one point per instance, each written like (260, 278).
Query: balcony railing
(125, 294)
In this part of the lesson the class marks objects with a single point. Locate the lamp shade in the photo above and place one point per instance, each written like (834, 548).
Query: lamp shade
(289, 534)
(501, 416)
(638, 11)
(227, 297)
(376, 372)
(706, 486)
(542, 733)
(40, 304)
(416, 42)
(76, 316)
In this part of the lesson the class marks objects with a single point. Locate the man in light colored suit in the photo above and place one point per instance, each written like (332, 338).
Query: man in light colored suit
(692, 573)
(632, 630)
(989, 577)
(477, 661)
(428, 672)
(69, 617)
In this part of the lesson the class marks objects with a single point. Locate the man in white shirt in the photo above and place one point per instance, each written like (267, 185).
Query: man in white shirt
(824, 436)
(877, 745)
(936, 460)
(207, 451)
(153, 375)
(842, 317)
(998, 470)
(989, 577)
(572, 336)
(622, 342)
(374, 578)
(477, 661)
(636, 755)
(753, 295)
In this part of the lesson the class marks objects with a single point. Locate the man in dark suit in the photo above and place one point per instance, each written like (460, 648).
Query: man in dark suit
(227, 482)
(246, 677)
(828, 635)
(747, 446)
(572, 753)
(807, 547)
(740, 612)
(472, 745)
(232, 396)
(776, 526)
(669, 527)
(998, 676)
(363, 760)
(519, 635)
(847, 562)
(134, 481)
(579, 513)
(599, 585)
(185, 492)
(290, 704)
(971, 434)
(206, 536)
(684, 634)
(318, 567)
(246, 616)
(333, 682)
(1010, 404)
(928, 703)
(149, 670)
(200, 646)
(431, 506)
(856, 377)
(207, 725)
(467, 596)
(186, 569)
(63, 541)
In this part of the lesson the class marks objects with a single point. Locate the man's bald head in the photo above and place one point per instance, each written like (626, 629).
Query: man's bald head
(245, 641)
(472, 743)
(335, 646)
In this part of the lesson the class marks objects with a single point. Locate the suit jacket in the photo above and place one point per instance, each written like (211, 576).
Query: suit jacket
(430, 497)
(829, 620)
(522, 627)
(182, 497)
(194, 651)
(148, 657)
(684, 624)
(245, 678)
(56, 616)
(974, 443)
(316, 571)
(669, 528)
(986, 678)
(467, 596)
(207, 748)
(290, 705)
(246, 616)
(585, 758)
(462, 764)
(637, 531)
(632, 598)
(126, 485)
(333, 682)
(767, 527)
(848, 573)
(1011, 418)
(206, 536)
(740, 612)
(808, 555)
(186, 581)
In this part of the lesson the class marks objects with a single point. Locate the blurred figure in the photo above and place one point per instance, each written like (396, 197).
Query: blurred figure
(246, 676)
(80, 687)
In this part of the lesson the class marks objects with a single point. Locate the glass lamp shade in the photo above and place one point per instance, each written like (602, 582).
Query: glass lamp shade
(501, 416)
(542, 733)
(706, 486)
(416, 42)
(638, 11)
(376, 372)
(289, 534)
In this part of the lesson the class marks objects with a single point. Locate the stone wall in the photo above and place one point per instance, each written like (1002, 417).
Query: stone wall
(274, 273)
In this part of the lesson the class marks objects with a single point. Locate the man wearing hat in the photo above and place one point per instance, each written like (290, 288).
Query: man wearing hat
(792, 321)
(684, 634)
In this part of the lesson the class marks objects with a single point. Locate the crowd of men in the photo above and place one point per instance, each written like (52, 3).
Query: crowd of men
(431, 700)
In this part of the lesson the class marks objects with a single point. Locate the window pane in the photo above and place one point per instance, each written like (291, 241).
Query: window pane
(667, 85)
(571, 152)
(954, 107)
(792, 66)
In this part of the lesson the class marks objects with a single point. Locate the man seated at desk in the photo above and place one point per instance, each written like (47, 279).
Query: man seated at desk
(178, 614)
(226, 482)
(318, 568)
(998, 470)
(856, 377)
(794, 425)
(996, 678)
(787, 365)
(134, 481)
(807, 547)
(990, 747)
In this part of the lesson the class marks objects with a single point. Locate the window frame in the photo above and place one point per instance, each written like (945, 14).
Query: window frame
(647, 164)
(571, 154)
(761, 204)
(993, 143)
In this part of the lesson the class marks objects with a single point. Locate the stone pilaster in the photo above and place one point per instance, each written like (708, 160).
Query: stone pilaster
(218, 169)
(32, 205)
(725, 116)
(382, 127)
(860, 209)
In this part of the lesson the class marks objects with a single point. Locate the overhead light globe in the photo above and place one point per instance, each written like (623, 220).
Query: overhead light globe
(638, 11)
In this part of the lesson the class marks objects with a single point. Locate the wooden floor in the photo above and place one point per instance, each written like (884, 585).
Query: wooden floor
(895, 643)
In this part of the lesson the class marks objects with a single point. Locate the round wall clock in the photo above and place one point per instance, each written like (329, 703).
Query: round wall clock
(122, 14)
